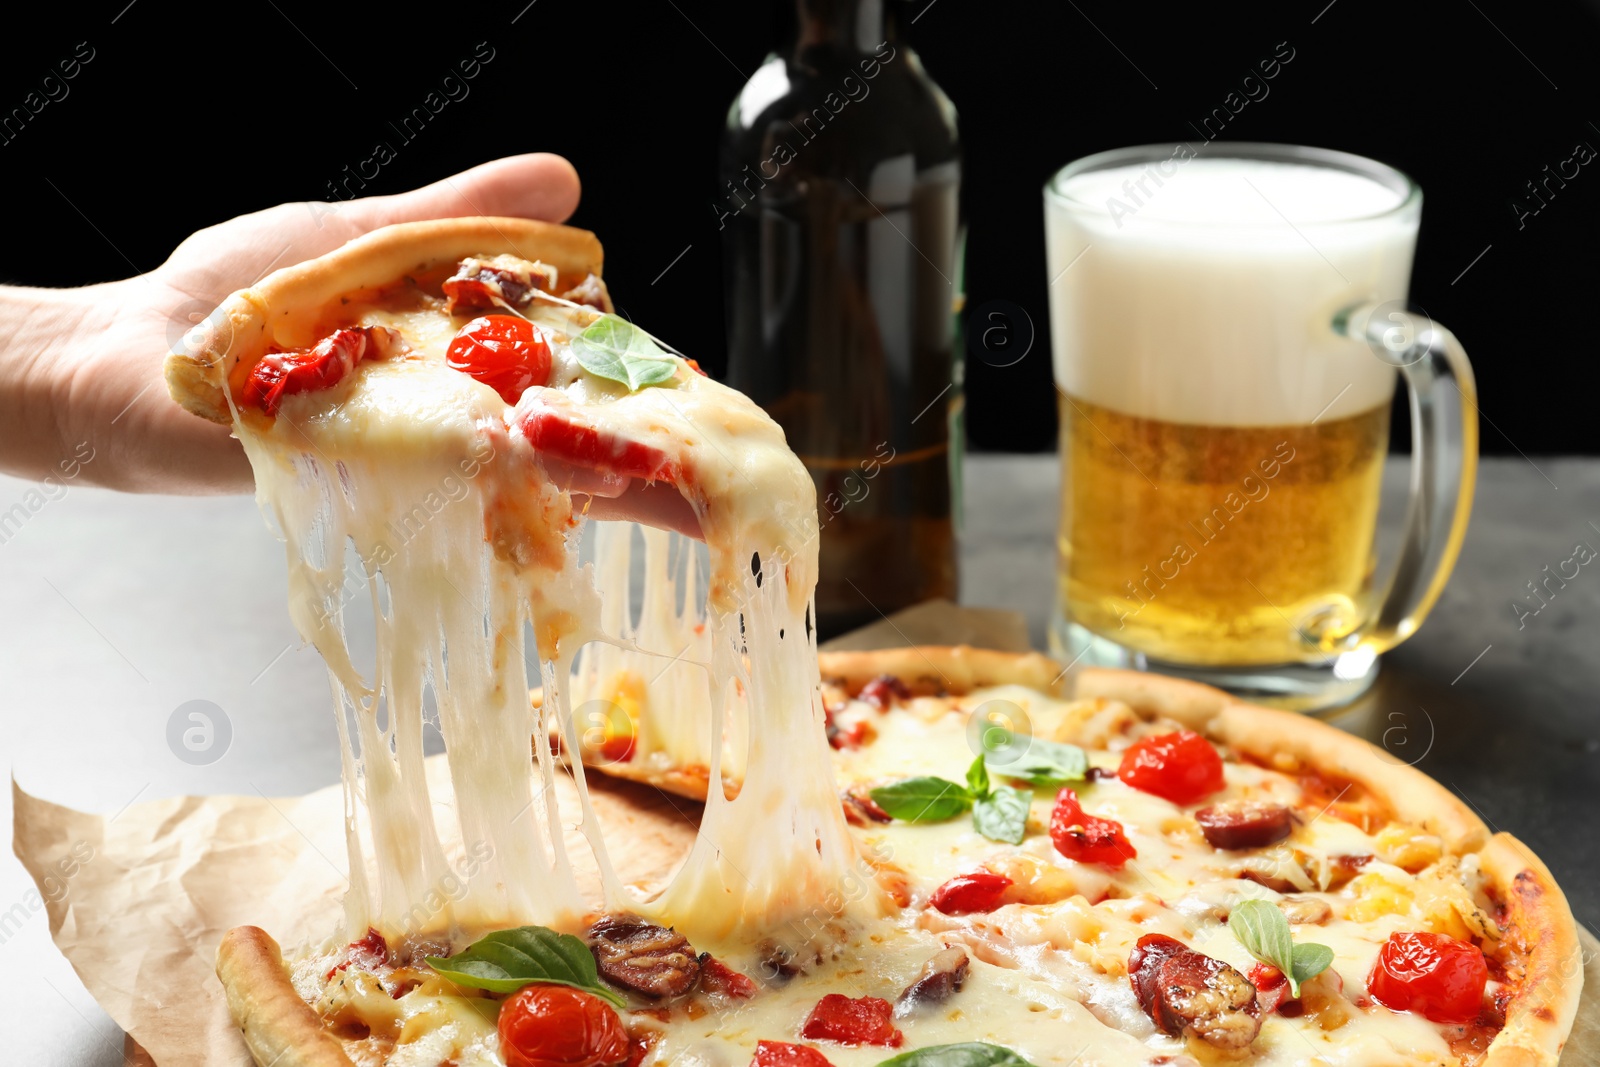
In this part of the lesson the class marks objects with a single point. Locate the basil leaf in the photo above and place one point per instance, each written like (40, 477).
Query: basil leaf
(1035, 760)
(1264, 932)
(978, 778)
(1310, 960)
(507, 960)
(966, 1054)
(614, 348)
(923, 799)
(1002, 815)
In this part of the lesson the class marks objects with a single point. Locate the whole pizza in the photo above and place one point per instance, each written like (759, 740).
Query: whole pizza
(922, 857)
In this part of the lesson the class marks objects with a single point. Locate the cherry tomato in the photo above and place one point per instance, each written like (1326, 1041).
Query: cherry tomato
(558, 1026)
(852, 1021)
(1265, 976)
(553, 432)
(504, 352)
(1434, 975)
(842, 737)
(1180, 766)
(303, 370)
(965, 894)
(618, 749)
(1087, 838)
(783, 1054)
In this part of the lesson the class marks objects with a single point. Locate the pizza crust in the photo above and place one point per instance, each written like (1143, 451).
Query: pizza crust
(1537, 914)
(279, 1028)
(933, 669)
(1540, 1018)
(243, 329)
(1290, 742)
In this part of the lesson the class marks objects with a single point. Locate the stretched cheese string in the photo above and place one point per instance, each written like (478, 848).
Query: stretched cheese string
(493, 580)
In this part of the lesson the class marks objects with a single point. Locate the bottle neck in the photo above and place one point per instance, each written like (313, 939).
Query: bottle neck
(850, 25)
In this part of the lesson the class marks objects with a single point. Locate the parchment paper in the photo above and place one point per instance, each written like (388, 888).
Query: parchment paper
(142, 922)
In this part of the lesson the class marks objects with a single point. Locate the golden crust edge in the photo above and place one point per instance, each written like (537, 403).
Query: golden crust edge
(248, 320)
(950, 668)
(1540, 1018)
(1274, 737)
(680, 781)
(279, 1028)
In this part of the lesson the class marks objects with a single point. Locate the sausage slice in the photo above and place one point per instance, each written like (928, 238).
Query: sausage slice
(638, 955)
(1241, 824)
(939, 979)
(1187, 993)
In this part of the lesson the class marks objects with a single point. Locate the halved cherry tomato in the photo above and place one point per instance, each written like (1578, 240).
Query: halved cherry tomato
(853, 1021)
(1434, 975)
(618, 749)
(783, 1054)
(1087, 838)
(558, 1026)
(304, 370)
(718, 977)
(504, 352)
(855, 735)
(1180, 766)
(1272, 990)
(552, 432)
(1265, 976)
(966, 894)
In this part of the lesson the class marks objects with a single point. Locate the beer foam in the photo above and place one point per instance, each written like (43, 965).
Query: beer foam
(1236, 192)
(1201, 290)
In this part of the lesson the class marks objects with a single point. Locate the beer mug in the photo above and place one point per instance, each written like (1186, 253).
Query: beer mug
(1228, 323)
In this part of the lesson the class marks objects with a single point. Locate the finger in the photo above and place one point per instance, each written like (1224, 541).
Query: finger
(587, 481)
(537, 185)
(657, 504)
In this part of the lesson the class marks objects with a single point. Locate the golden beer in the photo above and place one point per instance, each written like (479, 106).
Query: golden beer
(1218, 545)
(1228, 327)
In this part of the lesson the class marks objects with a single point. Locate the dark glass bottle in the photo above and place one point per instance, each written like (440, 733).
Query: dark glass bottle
(838, 203)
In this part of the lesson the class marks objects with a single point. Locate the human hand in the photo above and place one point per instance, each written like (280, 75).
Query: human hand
(81, 369)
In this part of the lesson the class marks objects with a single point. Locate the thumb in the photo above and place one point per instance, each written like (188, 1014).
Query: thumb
(233, 254)
(537, 185)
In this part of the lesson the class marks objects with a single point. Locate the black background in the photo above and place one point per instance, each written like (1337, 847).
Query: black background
(181, 120)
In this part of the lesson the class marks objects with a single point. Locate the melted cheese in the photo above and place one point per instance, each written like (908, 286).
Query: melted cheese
(1179, 885)
(468, 551)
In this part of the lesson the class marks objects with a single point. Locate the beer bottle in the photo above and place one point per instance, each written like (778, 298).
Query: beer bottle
(838, 203)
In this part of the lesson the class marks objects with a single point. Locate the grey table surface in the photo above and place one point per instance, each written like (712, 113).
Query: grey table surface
(115, 610)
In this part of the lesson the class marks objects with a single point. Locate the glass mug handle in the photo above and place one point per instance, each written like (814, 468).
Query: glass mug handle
(1444, 460)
